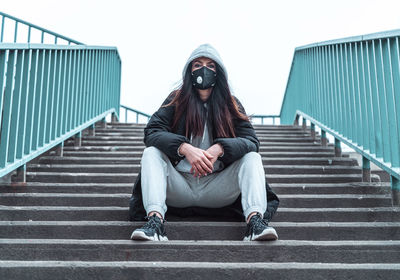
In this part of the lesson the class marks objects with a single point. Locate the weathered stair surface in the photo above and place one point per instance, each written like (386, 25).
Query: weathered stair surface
(71, 218)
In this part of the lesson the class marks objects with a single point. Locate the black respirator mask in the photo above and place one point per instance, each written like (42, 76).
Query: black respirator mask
(204, 78)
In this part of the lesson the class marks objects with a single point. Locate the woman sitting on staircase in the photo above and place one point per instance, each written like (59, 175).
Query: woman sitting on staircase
(202, 154)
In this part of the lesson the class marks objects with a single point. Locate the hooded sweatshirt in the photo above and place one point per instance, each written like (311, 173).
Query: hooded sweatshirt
(203, 142)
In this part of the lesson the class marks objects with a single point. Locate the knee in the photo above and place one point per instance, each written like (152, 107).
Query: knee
(151, 153)
(252, 158)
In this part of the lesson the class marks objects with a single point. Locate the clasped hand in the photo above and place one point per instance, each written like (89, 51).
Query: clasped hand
(202, 161)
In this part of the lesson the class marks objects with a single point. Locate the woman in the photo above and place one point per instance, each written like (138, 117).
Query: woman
(202, 153)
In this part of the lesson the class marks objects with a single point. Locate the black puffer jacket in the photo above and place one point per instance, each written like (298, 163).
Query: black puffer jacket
(158, 133)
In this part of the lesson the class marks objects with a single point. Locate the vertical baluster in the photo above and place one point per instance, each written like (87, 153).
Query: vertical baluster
(38, 101)
(369, 98)
(394, 140)
(357, 97)
(15, 31)
(7, 105)
(32, 101)
(63, 93)
(3, 72)
(396, 92)
(46, 108)
(363, 92)
(85, 81)
(52, 103)
(16, 105)
(2, 29)
(351, 95)
(25, 81)
(59, 98)
(29, 34)
(383, 103)
(68, 102)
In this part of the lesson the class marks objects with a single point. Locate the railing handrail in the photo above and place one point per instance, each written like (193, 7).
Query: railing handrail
(353, 39)
(21, 46)
(31, 25)
(137, 112)
(350, 87)
(262, 117)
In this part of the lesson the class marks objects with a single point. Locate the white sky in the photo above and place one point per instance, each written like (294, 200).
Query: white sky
(256, 39)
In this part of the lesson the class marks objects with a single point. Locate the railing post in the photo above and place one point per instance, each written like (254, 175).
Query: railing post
(312, 131)
(114, 118)
(304, 125)
(395, 191)
(78, 139)
(60, 149)
(20, 176)
(296, 120)
(103, 123)
(126, 115)
(324, 140)
(366, 170)
(91, 130)
(338, 148)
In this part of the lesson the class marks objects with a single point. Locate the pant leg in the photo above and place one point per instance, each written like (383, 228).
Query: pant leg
(245, 176)
(162, 184)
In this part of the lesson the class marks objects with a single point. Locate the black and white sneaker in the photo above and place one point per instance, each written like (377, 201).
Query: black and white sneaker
(152, 230)
(258, 229)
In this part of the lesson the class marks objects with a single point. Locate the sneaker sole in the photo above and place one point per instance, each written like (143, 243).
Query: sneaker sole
(140, 235)
(267, 234)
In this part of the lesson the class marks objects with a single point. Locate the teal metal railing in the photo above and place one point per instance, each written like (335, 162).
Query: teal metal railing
(267, 117)
(136, 112)
(49, 93)
(17, 24)
(351, 89)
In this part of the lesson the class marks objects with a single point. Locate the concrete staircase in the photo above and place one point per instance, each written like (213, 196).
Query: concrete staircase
(70, 220)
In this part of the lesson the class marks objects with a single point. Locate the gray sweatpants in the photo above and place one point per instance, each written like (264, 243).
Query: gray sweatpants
(162, 184)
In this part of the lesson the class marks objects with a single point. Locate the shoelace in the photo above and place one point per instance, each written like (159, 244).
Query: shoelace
(258, 222)
(152, 223)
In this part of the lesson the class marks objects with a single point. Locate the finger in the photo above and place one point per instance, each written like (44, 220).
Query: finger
(200, 169)
(208, 163)
(206, 167)
(208, 155)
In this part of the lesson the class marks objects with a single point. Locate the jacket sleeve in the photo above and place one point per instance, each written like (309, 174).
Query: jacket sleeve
(245, 141)
(158, 132)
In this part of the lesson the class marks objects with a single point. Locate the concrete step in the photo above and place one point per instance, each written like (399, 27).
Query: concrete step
(279, 188)
(201, 251)
(130, 178)
(314, 148)
(291, 154)
(259, 133)
(135, 168)
(136, 160)
(115, 213)
(198, 230)
(269, 139)
(121, 200)
(328, 188)
(80, 270)
(117, 142)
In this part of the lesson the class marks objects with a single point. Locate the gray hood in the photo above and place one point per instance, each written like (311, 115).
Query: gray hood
(205, 50)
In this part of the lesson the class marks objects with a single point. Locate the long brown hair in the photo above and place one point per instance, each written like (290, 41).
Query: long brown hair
(223, 109)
